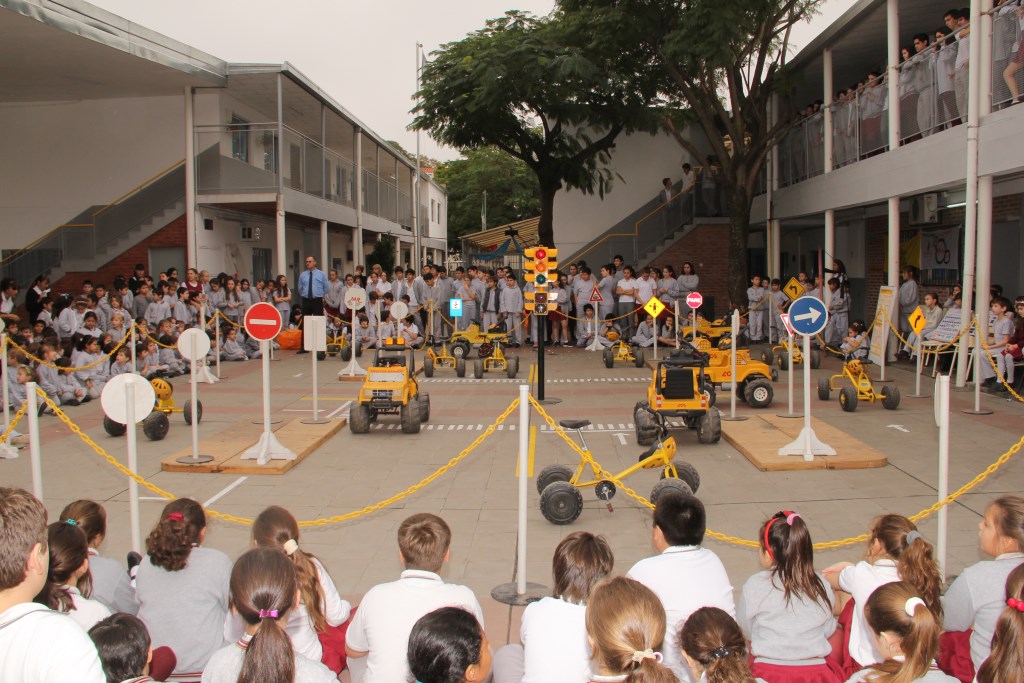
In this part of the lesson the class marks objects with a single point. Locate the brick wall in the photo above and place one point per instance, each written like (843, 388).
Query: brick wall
(171, 235)
(706, 246)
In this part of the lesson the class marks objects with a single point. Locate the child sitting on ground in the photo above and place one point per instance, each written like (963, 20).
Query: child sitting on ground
(230, 349)
(68, 586)
(70, 390)
(379, 633)
(449, 646)
(122, 362)
(110, 584)
(409, 331)
(1006, 662)
(88, 353)
(123, 644)
(610, 332)
(714, 648)
(554, 630)
(363, 336)
(18, 390)
(37, 645)
(645, 333)
(586, 328)
(48, 372)
(169, 356)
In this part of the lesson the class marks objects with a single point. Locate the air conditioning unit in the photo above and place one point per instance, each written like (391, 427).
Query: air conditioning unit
(924, 209)
(250, 234)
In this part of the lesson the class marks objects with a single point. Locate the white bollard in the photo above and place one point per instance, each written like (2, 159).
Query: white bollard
(33, 439)
(216, 333)
(524, 448)
(978, 350)
(133, 465)
(806, 360)
(941, 541)
(675, 324)
(732, 363)
(134, 342)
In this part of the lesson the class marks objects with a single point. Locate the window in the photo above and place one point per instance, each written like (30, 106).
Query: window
(433, 210)
(239, 138)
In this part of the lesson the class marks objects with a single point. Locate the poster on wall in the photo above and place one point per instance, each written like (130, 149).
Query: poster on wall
(880, 328)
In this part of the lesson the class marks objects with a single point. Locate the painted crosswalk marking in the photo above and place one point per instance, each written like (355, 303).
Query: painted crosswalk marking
(505, 380)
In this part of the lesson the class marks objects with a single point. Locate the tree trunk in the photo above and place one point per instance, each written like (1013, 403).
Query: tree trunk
(739, 230)
(546, 228)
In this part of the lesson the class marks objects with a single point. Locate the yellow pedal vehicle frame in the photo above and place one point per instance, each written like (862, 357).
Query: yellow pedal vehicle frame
(859, 389)
(156, 425)
(781, 352)
(559, 485)
(390, 389)
(444, 359)
(493, 359)
(622, 352)
(753, 378)
(463, 341)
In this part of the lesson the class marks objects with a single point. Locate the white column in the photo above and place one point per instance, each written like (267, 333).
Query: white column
(358, 258)
(893, 265)
(985, 57)
(325, 261)
(829, 152)
(191, 250)
(892, 8)
(984, 257)
(282, 248)
(830, 236)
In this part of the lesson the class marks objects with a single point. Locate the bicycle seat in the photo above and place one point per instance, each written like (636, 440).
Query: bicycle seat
(650, 451)
(574, 424)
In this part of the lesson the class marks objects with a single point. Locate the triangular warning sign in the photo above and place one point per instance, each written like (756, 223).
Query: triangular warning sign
(595, 297)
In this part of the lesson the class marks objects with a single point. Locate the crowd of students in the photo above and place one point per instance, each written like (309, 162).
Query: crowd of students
(188, 613)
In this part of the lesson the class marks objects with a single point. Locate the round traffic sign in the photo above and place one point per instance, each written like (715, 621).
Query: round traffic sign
(399, 310)
(694, 300)
(262, 321)
(114, 397)
(808, 315)
(355, 298)
(193, 344)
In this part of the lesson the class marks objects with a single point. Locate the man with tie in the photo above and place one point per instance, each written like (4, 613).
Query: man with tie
(312, 289)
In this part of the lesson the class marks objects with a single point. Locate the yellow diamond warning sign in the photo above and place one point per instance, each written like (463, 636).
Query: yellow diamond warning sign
(917, 321)
(654, 306)
(793, 289)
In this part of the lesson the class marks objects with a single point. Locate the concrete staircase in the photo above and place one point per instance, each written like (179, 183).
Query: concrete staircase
(665, 243)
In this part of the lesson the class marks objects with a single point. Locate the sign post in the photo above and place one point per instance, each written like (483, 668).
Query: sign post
(917, 323)
(194, 344)
(263, 323)
(355, 299)
(694, 300)
(655, 308)
(455, 311)
(314, 340)
(675, 322)
(942, 417)
(885, 311)
(595, 298)
(808, 316)
(205, 375)
(789, 331)
(732, 366)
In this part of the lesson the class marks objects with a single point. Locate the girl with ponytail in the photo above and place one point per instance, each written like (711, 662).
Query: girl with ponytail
(263, 590)
(68, 584)
(786, 610)
(896, 552)
(110, 584)
(906, 633)
(714, 648)
(182, 588)
(626, 628)
(313, 625)
(1006, 663)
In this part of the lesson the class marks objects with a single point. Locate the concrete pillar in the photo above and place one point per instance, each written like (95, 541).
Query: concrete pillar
(325, 261)
(983, 269)
(358, 259)
(191, 248)
(282, 247)
(830, 236)
(829, 152)
(892, 12)
(893, 265)
(985, 57)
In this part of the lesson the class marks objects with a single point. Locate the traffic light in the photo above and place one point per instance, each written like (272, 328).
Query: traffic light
(540, 265)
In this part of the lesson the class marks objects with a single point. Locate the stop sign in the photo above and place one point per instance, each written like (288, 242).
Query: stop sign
(262, 321)
(694, 300)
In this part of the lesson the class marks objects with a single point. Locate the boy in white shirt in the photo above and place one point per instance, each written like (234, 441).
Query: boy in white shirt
(378, 635)
(684, 576)
(37, 645)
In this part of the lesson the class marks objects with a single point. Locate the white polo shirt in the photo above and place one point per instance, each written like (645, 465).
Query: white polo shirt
(554, 637)
(685, 578)
(87, 611)
(860, 581)
(38, 645)
(645, 289)
(384, 620)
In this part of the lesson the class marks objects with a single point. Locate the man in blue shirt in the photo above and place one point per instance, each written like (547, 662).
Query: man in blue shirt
(312, 289)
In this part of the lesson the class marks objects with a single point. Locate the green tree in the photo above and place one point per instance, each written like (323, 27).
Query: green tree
(518, 85)
(383, 254)
(511, 187)
(720, 64)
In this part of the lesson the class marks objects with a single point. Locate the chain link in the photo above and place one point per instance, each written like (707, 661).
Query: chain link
(105, 357)
(14, 422)
(1002, 380)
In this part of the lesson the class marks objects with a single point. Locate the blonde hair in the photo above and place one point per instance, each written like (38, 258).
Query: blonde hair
(625, 619)
(897, 608)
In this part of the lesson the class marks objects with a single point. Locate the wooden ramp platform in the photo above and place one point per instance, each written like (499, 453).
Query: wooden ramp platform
(227, 447)
(760, 437)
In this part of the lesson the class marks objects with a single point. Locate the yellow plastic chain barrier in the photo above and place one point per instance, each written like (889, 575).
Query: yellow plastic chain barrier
(1002, 380)
(936, 349)
(104, 358)
(605, 474)
(14, 422)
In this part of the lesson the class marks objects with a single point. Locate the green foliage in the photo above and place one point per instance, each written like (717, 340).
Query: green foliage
(512, 192)
(383, 254)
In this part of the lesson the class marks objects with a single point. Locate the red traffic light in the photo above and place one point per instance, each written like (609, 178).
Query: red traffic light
(540, 254)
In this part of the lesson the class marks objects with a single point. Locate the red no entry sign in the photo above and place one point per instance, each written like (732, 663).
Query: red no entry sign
(262, 321)
(694, 300)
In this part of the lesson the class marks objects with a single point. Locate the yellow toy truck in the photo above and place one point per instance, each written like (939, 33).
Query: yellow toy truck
(679, 388)
(390, 389)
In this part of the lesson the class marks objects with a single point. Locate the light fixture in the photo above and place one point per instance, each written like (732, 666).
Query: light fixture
(957, 205)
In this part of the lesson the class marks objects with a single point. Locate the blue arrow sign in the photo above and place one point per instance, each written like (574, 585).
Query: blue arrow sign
(808, 315)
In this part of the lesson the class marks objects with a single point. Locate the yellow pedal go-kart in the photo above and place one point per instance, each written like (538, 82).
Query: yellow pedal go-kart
(390, 389)
(621, 352)
(753, 378)
(709, 329)
(493, 359)
(679, 388)
(859, 389)
(559, 486)
(156, 425)
(781, 352)
(439, 355)
(463, 341)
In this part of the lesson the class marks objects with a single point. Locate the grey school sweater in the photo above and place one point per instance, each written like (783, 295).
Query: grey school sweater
(784, 632)
(226, 664)
(110, 585)
(186, 609)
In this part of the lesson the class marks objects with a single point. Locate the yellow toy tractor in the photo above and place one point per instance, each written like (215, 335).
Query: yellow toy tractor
(156, 425)
(780, 353)
(492, 358)
(622, 352)
(713, 329)
(463, 341)
(860, 388)
(753, 378)
(679, 388)
(390, 389)
(559, 485)
(439, 355)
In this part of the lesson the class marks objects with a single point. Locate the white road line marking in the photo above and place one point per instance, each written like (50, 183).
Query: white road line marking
(338, 410)
(298, 375)
(228, 489)
(153, 498)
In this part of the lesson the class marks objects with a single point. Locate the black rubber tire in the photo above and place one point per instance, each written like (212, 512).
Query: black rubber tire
(551, 474)
(687, 473)
(784, 360)
(460, 366)
(890, 397)
(186, 411)
(512, 367)
(848, 399)
(639, 354)
(815, 359)
(156, 426)
(609, 357)
(113, 428)
(478, 368)
(428, 366)
(359, 419)
(359, 351)
(712, 394)
(409, 416)
(424, 400)
(321, 355)
(709, 427)
(669, 485)
(460, 348)
(646, 428)
(768, 357)
(561, 503)
(346, 353)
(824, 390)
(758, 393)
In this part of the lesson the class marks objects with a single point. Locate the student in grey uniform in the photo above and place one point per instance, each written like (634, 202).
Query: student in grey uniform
(644, 336)
(838, 311)
(1008, 641)
(230, 348)
(110, 583)
(607, 288)
(586, 328)
(490, 301)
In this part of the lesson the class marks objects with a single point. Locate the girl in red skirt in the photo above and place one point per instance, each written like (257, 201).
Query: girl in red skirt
(1006, 663)
(786, 610)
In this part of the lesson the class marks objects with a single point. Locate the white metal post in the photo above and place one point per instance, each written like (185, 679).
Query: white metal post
(33, 439)
(675, 324)
(3, 371)
(134, 343)
(216, 333)
(133, 465)
(732, 362)
(791, 354)
(941, 543)
(524, 448)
